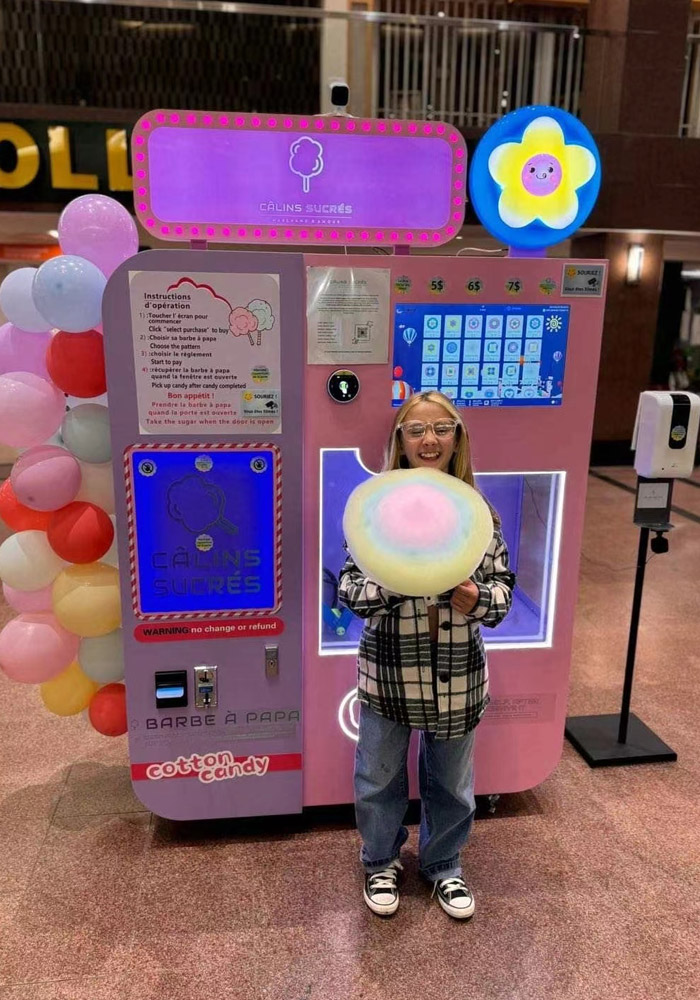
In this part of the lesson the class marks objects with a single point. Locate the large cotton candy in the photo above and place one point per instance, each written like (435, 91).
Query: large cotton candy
(417, 532)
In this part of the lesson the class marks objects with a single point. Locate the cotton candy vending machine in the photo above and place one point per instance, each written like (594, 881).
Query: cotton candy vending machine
(256, 389)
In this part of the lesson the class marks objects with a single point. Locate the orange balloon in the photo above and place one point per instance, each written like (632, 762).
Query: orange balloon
(17, 516)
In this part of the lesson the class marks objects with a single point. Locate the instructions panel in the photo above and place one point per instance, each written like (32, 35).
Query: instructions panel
(206, 352)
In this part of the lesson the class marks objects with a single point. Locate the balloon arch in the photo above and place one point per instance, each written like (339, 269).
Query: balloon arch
(59, 569)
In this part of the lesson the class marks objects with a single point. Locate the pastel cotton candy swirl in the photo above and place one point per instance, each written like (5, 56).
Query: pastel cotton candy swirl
(417, 532)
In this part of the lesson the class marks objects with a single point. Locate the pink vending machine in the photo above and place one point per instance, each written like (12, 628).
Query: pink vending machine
(256, 390)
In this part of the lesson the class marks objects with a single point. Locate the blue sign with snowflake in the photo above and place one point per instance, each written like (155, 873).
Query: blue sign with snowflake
(535, 177)
(481, 355)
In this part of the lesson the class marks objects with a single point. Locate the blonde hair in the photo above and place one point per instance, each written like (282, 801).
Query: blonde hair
(461, 461)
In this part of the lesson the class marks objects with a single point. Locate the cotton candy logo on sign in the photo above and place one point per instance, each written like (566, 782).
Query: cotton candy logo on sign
(306, 160)
(221, 766)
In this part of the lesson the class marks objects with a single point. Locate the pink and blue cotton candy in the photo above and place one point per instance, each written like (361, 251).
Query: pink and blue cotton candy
(417, 532)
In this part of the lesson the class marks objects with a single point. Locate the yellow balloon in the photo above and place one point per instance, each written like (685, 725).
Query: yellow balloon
(86, 599)
(69, 693)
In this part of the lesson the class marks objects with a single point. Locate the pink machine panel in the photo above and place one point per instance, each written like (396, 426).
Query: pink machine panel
(517, 343)
(232, 481)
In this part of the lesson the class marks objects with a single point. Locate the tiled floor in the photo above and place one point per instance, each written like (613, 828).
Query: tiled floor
(588, 887)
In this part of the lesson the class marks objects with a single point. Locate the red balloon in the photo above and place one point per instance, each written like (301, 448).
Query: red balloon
(107, 710)
(80, 532)
(17, 516)
(76, 363)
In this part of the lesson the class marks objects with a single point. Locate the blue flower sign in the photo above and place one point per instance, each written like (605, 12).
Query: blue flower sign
(535, 177)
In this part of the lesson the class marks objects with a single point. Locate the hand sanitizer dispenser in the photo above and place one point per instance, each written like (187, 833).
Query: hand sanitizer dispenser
(665, 434)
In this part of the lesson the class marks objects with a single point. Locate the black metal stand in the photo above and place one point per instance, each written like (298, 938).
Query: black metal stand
(609, 740)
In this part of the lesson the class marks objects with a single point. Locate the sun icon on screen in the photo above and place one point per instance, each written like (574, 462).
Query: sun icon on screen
(554, 324)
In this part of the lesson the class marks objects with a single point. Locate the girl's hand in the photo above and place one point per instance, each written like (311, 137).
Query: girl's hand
(464, 597)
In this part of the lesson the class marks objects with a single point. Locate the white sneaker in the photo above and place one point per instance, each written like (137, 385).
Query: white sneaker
(454, 897)
(380, 892)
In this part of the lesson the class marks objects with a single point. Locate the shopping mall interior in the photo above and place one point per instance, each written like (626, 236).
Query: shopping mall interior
(586, 877)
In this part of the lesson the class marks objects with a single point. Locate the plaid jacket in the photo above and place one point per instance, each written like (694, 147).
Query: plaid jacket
(396, 674)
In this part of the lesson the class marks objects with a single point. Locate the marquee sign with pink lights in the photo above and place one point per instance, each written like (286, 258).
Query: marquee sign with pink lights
(241, 178)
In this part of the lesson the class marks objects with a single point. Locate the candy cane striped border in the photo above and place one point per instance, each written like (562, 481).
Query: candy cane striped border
(131, 528)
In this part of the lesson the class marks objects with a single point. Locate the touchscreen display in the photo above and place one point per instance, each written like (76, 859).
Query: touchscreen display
(481, 355)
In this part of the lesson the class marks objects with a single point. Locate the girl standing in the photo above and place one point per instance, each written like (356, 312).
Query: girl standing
(422, 666)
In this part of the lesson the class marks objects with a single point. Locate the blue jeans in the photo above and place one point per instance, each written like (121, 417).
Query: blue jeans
(446, 773)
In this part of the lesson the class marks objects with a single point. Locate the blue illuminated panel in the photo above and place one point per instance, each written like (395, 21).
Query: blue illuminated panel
(481, 355)
(205, 525)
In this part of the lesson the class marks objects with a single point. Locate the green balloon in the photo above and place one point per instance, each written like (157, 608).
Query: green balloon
(102, 658)
(85, 433)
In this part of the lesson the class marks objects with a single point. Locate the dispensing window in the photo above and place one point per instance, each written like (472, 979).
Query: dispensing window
(530, 507)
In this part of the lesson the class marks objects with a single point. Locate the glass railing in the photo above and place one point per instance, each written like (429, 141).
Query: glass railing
(412, 59)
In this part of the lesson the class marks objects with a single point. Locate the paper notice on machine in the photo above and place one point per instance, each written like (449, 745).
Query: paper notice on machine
(347, 315)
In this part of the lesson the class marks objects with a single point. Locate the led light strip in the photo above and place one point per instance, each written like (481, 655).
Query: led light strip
(353, 235)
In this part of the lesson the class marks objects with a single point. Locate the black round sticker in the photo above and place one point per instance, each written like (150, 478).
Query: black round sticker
(343, 386)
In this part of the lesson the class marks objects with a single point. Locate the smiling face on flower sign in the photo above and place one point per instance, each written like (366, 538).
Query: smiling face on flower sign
(539, 176)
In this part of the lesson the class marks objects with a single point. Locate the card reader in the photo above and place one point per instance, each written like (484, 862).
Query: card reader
(171, 688)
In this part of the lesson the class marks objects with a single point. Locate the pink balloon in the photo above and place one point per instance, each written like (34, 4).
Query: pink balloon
(34, 648)
(23, 352)
(46, 477)
(98, 229)
(31, 409)
(28, 600)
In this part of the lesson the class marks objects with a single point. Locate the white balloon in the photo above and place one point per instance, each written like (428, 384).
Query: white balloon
(17, 303)
(97, 485)
(68, 290)
(27, 561)
(102, 658)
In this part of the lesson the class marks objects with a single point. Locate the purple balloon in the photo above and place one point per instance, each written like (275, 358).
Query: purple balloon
(99, 229)
(23, 352)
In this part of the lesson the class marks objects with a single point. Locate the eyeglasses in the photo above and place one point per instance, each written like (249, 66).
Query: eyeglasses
(441, 429)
